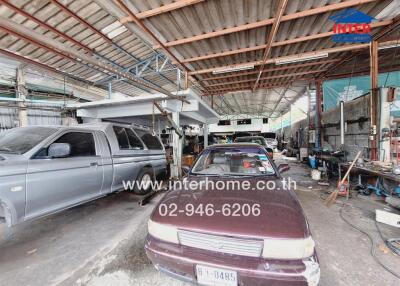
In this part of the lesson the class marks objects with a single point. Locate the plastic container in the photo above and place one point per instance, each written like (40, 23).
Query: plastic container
(316, 174)
(313, 162)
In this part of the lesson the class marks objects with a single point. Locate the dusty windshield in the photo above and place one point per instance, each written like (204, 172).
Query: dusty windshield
(251, 140)
(234, 161)
(21, 140)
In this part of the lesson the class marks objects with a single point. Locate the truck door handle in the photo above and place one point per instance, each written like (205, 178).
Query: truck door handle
(92, 164)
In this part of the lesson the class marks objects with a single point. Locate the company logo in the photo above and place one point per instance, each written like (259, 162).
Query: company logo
(351, 26)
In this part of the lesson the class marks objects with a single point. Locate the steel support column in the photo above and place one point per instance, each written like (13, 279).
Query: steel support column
(22, 92)
(318, 113)
(177, 149)
(374, 101)
(205, 134)
(109, 90)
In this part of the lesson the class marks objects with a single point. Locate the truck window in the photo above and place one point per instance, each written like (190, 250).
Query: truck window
(134, 141)
(127, 139)
(122, 137)
(82, 144)
(151, 141)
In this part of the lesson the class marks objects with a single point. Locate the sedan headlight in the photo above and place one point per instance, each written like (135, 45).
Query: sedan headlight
(163, 232)
(288, 248)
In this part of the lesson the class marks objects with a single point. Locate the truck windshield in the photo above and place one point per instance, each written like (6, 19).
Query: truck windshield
(21, 140)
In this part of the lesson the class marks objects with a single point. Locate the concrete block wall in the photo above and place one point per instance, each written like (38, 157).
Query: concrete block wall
(356, 133)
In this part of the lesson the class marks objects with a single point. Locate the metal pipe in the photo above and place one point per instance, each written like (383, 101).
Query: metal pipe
(342, 123)
(44, 102)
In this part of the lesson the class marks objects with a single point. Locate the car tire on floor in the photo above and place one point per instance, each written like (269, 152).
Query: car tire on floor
(144, 182)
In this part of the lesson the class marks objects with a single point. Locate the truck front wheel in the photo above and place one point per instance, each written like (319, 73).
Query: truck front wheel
(144, 182)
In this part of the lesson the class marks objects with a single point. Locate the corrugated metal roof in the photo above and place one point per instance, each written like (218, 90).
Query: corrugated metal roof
(193, 29)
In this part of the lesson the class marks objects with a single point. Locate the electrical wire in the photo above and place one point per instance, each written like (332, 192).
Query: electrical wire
(373, 244)
(324, 195)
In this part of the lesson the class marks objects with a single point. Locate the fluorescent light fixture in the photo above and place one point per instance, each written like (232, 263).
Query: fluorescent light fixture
(234, 68)
(117, 32)
(389, 46)
(114, 29)
(111, 27)
(289, 60)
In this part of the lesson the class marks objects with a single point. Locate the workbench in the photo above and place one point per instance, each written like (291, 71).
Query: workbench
(371, 170)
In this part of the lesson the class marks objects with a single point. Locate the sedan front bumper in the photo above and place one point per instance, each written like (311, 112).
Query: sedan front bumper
(180, 262)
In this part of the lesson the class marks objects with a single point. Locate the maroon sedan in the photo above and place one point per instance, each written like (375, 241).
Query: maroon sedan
(233, 221)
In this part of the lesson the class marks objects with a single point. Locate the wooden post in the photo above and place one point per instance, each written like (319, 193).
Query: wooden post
(186, 80)
(374, 98)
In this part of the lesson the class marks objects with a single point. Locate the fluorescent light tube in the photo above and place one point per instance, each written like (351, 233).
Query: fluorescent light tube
(233, 68)
(297, 59)
(389, 46)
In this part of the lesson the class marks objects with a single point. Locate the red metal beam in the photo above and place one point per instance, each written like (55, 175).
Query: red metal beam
(138, 22)
(34, 42)
(47, 48)
(27, 61)
(45, 25)
(248, 87)
(66, 10)
(266, 77)
(277, 68)
(271, 37)
(121, 4)
(38, 64)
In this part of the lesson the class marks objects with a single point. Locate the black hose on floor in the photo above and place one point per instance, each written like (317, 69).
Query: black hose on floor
(373, 245)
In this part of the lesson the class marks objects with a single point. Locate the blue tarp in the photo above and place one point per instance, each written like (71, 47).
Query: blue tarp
(350, 88)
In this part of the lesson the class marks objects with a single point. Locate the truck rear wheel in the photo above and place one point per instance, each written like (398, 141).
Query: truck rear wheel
(144, 182)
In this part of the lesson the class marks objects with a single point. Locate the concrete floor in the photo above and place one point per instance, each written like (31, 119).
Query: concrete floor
(101, 243)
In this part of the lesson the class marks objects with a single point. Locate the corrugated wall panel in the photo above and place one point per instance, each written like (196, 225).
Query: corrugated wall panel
(44, 116)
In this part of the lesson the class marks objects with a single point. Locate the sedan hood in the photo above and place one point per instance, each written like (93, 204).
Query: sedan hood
(12, 164)
(281, 215)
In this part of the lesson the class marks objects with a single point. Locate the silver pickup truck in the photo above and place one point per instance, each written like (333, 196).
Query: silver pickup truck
(45, 169)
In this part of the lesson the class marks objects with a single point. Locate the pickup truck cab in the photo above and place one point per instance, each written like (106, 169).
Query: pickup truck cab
(45, 169)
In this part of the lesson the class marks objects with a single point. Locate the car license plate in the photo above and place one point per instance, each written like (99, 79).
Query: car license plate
(215, 276)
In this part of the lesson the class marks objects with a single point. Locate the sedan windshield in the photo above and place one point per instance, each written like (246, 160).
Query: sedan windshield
(21, 140)
(234, 161)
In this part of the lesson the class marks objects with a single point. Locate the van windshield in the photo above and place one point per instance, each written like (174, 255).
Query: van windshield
(21, 140)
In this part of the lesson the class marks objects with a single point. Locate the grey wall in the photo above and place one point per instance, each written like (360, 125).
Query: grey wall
(9, 117)
(356, 135)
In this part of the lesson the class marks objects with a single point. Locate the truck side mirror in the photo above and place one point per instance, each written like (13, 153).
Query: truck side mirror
(185, 169)
(59, 150)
